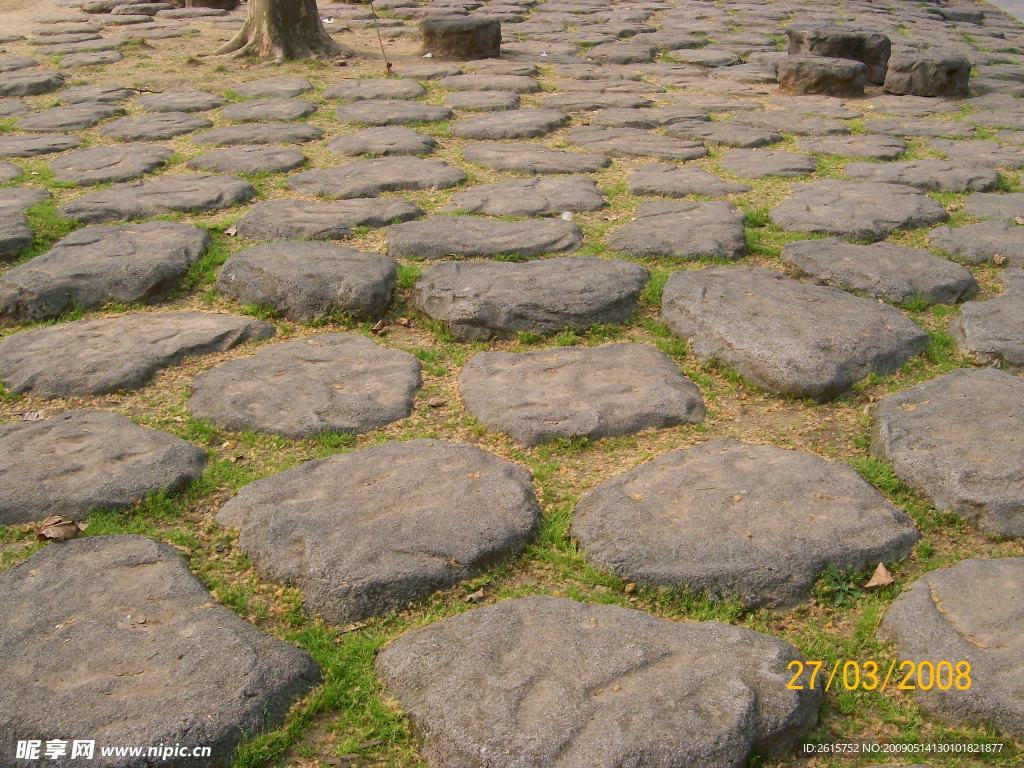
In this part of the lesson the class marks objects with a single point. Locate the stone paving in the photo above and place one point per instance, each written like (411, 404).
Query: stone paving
(530, 411)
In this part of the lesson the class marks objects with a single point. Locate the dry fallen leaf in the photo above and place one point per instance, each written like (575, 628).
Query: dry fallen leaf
(999, 259)
(231, 231)
(379, 328)
(474, 597)
(31, 416)
(58, 528)
(880, 578)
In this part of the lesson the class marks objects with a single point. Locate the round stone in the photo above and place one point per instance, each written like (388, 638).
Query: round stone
(180, 101)
(970, 611)
(634, 142)
(31, 146)
(369, 178)
(15, 232)
(911, 128)
(740, 520)
(992, 331)
(869, 147)
(285, 87)
(128, 616)
(480, 300)
(532, 158)
(545, 681)
(391, 112)
(12, 107)
(1006, 206)
(170, 194)
(729, 134)
(364, 533)
(592, 392)
(463, 236)
(683, 230)
(259, 133)
(881, 270)
(785, 336)
(90, 59)
(865, 210)
(489, 82)
(72, 117)
(99, 165)
(29, 82)
(96, 357)
(102, 94)
(930, 175)
(511, 124)
(385, 141)
(304, 281)
(96, 265)
(76, 461)
(978, 243)
(243, 159)
(759, 163)
(530, 197)
(9, 172)
(268, 109)
(158, 126)
(680, 181)
(942, 437)
(362, 89)
(335, 382)
(482, 101)
(306, 220)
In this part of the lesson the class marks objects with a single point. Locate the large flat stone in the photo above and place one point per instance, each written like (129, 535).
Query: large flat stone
(533, 158)
(307, 220)
(369, 178)
(71, 117)
(866, 146)
(511, 124)
(154, 127)
(171, 194)
(1004, 206)
(243, 159)
(383, 141)
(391, 112)
(683, 230)
(32, 145)
(29, 82)
(259, 133)
(680, 181)
(264, 110)
(981, 242)
(99, 165)
(15, 233)
(992, 331)
(363, 88)
(929, 174)
(634, 142)
(530, 197)
(440, 236)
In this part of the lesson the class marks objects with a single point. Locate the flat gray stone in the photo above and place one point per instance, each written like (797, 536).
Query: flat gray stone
(96, 265)
(919, 128)
(593, 392)
(180, 101)
(35, 145)
(489, 82)
(168, 194)
(733, 519)
(260, 133)
(12, 107)
(929, 174)
(132, 617)
(369, 178)
(261, 110)
(977, 152)
(90, 59)
(969, 611)
(15, 232)
(29, 82)
(78, 461)
(511, 124)
(243, 159)
(530, 197)
(866, 146)
(547, 682)
(593, 101)
(881, 270)
(96, 94)
(957, 439)
(71, 117)
(1007, 206)
(9, 172)
(532, 158)
(683, 230)
(480, 300)
(383, 141)
(14, 63)
(759, 163)
(364, 88)
(680, 181)
(364, 533)
(634, 142)
(481, 101)
(285, 87)
(96, 357)
(730, 134)
(154, 127)
(303, 281)
(99, 165)
(391, 112)
(863, 210)
(978, 243)
(307, 220)
(992, 331)
(785, 336)
(335, 382)
(440, 236)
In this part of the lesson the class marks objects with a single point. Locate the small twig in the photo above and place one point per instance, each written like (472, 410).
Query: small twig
(383, 53)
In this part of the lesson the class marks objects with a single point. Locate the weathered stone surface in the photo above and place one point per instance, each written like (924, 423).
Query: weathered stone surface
(157, 126)
(1008, 206)
(868, 47)
(254, 159)
(978, 152)
(461, 37)
(969, 611)
(71, 117)
(680, 181)
(785, 336)
(511, 124)
(548, 682)
(285, 87)
(491, 82)
(683, 230)
(267, 133)
(530, 197)
(928, 174)
(635, 142)
(992, 331)
(9, 172)
(926, 73)
(864, 210)
(391, 112)
(821, 74)
(90, 59)
(871, 147)
(82, 460)
(978, 243)
(143, 199)
(384, 141)
(479, 300)
(98, 165)
(361, 89)
(96, 265)
(128, 618)
(12, 107)
(532, 158)
(593, 392)
(881, 270)
(369, 178)
(758, 163)
(94, 357)
(267, 109)
(919, 128)
(730, 134)
(440, 236)
(739, 520)
(304, 281)
(180, 101)
(335, 382)
(482, 101)
(15, 232)
(29, 82)
(364, 533)
(32, 146)
(306, 220)
(942, 437)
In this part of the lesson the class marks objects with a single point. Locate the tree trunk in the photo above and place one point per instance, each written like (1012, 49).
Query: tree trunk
(283, 29)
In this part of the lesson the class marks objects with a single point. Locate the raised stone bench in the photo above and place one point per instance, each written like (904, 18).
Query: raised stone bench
(464, 38)
(821, 74)
(928, 74)
(870, 48)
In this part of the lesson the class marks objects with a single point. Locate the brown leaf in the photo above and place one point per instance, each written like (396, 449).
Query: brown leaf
(58, 528)
(231, 231)
(31, 416)
(474, 597)
(379, 328)
(880, 578)
(999, 259)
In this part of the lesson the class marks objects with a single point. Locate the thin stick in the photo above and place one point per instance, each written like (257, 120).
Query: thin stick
(383, 53)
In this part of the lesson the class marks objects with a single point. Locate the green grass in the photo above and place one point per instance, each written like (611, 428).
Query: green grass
(47, 226)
